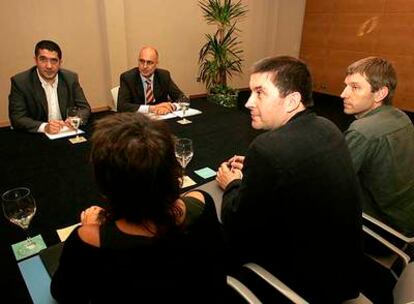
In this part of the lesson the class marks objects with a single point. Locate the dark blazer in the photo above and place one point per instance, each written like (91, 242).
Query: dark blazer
(131, 91)
(297, 209)
(28, 104)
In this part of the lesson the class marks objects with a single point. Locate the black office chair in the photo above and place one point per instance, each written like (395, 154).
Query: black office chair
(396, 284)
(242, 290)
(283, 292)
(395, 237)
(388, 283)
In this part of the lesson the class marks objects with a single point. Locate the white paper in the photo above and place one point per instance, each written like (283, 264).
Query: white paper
(64, 232)
(187, 182)
(189, 112)
(179, 113)
(65, 132)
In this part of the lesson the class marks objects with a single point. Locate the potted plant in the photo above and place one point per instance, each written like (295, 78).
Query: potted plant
(220, 57)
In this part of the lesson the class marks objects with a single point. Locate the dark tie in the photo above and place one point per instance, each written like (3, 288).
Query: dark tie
(149, 95)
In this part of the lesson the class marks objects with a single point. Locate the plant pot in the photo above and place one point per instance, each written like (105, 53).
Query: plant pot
(225, 100)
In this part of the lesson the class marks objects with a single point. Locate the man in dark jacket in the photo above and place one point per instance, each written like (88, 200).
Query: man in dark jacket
(39, 97)
(292, 204)
(147, 89)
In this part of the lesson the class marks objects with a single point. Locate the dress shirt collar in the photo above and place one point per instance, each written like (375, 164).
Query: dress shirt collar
(144, 79)
(44, 83)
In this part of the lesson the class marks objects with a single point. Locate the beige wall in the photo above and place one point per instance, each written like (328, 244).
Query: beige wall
(339, 32)
(100, 38)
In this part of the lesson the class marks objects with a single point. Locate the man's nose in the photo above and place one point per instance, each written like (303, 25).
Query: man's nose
(250, 102)
(344, 93)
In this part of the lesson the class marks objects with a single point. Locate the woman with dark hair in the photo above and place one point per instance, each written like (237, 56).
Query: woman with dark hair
(150, 244)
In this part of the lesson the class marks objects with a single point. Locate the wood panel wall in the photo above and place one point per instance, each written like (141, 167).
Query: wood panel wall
(339, 32)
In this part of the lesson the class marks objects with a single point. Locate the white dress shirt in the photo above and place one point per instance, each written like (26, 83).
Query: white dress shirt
(52, 100)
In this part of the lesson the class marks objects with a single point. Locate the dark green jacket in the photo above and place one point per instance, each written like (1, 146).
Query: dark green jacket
(382, 149)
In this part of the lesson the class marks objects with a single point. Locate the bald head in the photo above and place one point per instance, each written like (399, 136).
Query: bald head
(147, 61)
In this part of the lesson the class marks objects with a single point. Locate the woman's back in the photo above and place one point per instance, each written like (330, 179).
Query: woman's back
(146, 269)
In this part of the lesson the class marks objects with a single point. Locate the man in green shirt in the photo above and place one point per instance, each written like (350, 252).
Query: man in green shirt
(381, 142)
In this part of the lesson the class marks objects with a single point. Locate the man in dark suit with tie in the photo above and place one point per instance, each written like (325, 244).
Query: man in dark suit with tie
(40, 96)
(147, 89)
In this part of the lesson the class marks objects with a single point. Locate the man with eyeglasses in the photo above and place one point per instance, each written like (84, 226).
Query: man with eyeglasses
(148, 89)
(40, 96)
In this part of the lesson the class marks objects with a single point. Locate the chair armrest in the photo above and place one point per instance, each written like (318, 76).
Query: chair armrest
(404, 257)
(403, 291)
(242, 290)
(388, 229)
(276, 283)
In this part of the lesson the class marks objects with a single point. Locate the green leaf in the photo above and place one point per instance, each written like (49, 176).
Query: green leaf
(221, 55)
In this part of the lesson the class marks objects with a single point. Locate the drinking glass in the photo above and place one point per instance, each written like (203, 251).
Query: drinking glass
(73, 115)
(184, 151)
(184, 104)
(19, 207)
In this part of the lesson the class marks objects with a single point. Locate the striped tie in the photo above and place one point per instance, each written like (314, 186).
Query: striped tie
(149, 95)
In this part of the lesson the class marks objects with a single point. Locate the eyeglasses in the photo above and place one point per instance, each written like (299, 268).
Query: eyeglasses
(146, 62)
(52, 61)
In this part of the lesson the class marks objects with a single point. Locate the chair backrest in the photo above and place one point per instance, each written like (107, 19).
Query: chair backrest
(403, 291)
(402, 277)
(283, 291)
(114, 92)
(275, 283)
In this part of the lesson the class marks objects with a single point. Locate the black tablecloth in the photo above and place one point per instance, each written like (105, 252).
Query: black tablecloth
(61, 177)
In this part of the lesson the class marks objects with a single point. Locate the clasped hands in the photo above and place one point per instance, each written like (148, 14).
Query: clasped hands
(162, 108)
(229, 171)
(92, 215)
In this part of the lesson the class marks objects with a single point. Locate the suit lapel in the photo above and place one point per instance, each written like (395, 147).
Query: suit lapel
(139, 87)
(39, 93)
(62, 92)
(156, 87)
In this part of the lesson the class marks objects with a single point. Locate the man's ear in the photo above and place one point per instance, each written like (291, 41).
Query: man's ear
(293, 101)
(381, 94)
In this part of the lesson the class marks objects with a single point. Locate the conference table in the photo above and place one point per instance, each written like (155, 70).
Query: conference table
(60, 175)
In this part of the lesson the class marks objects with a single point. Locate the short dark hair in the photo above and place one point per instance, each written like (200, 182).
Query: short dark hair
(136, 169)
(378, 72)
(289, 75)
(48, 45)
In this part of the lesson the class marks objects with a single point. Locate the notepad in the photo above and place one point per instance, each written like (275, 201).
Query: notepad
(65, 132)
(189, 112)
(175, 114)
(64, 232)
(205, 172)
(187, 182)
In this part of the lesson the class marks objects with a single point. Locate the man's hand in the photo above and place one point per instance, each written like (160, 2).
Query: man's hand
(54, 126)
(162, 108)
(236, 162)
(225, 175)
